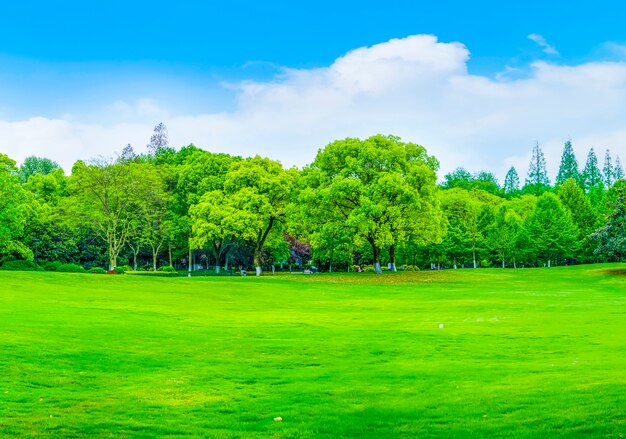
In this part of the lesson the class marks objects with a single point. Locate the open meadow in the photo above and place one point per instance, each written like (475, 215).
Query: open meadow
(522, 353)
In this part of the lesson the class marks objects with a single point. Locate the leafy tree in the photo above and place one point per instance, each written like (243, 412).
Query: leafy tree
(583, 215)
(511, 182)
(608, 171)
(591, 176)
(611, 237)
(537, 172)
(550, 230)
(486, 181)
(254, 197)
(12, 212)
(159, 139)
(381, 188)
(108, 197)
(569, 165)
(460, 177)
(36, 165)
(503, 236)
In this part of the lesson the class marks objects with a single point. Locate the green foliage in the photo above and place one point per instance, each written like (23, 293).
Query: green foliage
(70, 268)
(153, 273)
(97, 270)
(36, 166)
(537, 171)
(569, 165)
(51, 265)
(591, 176)
(611, 238)
(167, 269)
(119, 270)
(608, 171)
(511, 182)
(20, 265)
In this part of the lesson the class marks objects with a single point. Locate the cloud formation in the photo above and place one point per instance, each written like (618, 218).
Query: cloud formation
(541, 41)
(415, 87)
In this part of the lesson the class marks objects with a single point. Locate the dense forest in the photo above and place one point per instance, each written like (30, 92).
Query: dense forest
(361, 204)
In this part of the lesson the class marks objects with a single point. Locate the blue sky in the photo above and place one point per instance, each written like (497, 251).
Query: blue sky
(69, 70)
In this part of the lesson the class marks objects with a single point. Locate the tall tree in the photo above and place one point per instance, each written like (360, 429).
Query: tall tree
(36, 165)
(460, 177)
(537, 171)
(618, 171)
(591, 176)
(107, 196)
(608, 171)
(569, 165)
(550, 230)
(382, 188)
(12, 212)
(611, 238)
(159, 139)
(511, 182)
(503, 236)
(583, 216)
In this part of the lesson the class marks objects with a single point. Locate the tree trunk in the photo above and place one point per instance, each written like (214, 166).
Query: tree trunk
(154, 259)
(257, 261)
(474, 256)
(392, 257)
(189, 261)
(502, 262)
(549, 263)
(169, 251)
(135, 260)
(376, 253)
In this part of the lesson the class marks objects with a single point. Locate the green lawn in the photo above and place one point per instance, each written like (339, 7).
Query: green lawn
(523, 353)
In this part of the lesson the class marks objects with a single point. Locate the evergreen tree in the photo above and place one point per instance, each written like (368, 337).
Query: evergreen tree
(511, 182)
(618, 171)
(569, 165)
(550, 231)
(583, 216)
(537, 172)
(159, 139)
(591, 177)
(611, 237)
(608, 170)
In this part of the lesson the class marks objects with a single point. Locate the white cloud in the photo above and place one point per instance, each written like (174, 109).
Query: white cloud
(541, 42)
(416, 87)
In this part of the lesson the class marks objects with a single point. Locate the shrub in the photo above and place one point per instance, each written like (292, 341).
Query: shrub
(97, 270)
(167, 269)
(20, 265)
(125, 268)
(51, 265)
(411, 268)
(70, 268)
(368, 269)
(119, 270)
(153, 273)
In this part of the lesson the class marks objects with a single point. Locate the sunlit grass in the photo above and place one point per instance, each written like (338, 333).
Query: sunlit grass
(522, 353)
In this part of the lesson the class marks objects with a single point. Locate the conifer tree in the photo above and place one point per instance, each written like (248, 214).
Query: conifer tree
(591, 177)
(608, 171)
(511, 181)
(618, 171)
(537, 172)
(569, 165)
(611, 238)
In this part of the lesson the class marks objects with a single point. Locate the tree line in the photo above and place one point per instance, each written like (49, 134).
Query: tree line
(361, 204)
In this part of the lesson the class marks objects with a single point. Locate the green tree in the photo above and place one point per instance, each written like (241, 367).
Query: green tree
(36, 165)
(591, 176)
(550, 230)
(583, 216)
(12, 212)
(511, 182)
(503, 236)
(569, 165)
(381, 188)
(460, 177)
(159, 139)
(537, 172)
(611, 238)
(618, 171)
(608, 171)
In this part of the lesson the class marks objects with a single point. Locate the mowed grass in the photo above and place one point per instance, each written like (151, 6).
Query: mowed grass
(523, 353)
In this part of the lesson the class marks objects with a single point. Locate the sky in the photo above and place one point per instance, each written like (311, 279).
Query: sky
(477, 83)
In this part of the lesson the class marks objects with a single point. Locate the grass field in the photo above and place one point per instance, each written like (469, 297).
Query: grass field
(522, 353)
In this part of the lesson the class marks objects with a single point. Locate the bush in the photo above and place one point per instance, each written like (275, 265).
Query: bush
(20, 265)
(125, 268)
(119, 270)
(153, 273)
(51, 265)
(368, 269)
(97, 270)
(70, 268)
(167, 269)
(411, 268)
